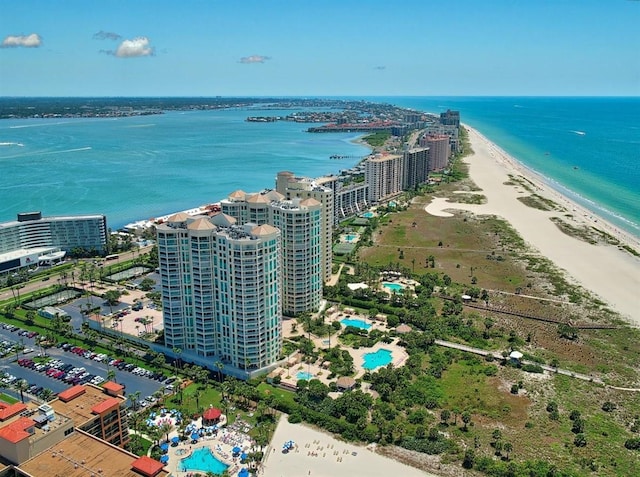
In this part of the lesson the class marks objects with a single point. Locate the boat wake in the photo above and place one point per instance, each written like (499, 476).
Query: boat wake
(11, 144)
(579, 133)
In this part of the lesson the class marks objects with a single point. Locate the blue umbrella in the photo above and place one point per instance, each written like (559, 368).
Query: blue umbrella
(244, 472)
(164, 459)
(236, 450)
(195, 436)
(175, 439)
(164, 447)
(243, 456)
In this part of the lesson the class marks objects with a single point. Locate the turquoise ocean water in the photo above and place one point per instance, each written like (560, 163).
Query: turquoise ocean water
(587, 148)
(141, 167)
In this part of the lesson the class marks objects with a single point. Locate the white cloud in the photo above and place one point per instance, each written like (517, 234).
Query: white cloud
(139, 46)
(254, 59)
(27, 41)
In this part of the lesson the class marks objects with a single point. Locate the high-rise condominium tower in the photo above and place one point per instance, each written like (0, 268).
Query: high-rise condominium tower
(221, 289)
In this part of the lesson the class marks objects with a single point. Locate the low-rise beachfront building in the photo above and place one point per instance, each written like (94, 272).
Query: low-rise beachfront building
(97, 411)
(33, 239)
(83, 455)
(82, 432)
(221, 290)
(384, 173)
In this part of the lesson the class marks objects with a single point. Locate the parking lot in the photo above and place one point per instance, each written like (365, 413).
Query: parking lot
(87, 367)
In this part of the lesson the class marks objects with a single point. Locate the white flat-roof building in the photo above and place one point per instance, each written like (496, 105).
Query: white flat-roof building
(33, 239)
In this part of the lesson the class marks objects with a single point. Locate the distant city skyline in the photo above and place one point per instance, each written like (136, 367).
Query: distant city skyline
(328, 48)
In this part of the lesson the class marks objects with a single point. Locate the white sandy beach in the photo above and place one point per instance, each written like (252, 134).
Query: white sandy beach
(321, 455)
(611, 274)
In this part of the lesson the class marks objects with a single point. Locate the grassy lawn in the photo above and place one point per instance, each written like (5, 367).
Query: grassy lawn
(8, 399)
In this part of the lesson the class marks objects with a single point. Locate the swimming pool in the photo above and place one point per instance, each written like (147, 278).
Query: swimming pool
(382, 357)
(363, 325)
(202, 459)
(368, 215)
(394, 287)
(349, 238)
(304, 375)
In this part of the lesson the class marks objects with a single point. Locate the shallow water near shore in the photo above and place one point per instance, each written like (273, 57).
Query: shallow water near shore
(141, 167)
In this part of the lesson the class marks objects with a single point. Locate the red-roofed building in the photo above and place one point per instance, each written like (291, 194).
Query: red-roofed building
(211, 416)
(147, 466)
(109, 424)
(96, 411)
(9, 410)
(112, 388)
(23, 437)
(72, 393)
(18, 430)
(105, 406)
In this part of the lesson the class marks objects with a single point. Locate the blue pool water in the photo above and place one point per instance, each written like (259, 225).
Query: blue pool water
(394, 287)
(202, 459)
(382, 357)
(368, 215)
(350, 237)
(363, 325)
(304, 375)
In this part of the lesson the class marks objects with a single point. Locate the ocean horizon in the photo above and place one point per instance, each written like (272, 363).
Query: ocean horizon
(140, 167)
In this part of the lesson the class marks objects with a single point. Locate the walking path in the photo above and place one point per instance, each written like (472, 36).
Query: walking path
(550, 369)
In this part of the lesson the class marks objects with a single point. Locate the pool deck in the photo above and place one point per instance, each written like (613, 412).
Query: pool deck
(221, 446)
(288, 373)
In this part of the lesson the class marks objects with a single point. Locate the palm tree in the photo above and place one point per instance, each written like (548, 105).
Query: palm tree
(165, 428)
(177, 351)
(219, 366)
(111, 375)
(133, 400)
(22, 386)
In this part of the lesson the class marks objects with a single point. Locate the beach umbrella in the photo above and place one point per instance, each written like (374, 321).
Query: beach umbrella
(164, 447)
(175, 439)
(236, 450)
(243, 456)
(164, 459)
(244, 472)
(195, 436)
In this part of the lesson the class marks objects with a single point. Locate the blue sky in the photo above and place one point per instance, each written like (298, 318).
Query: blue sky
(321, 47)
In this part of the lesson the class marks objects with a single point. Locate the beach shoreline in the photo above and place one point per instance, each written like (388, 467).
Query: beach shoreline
(319, 454)
(608, 272)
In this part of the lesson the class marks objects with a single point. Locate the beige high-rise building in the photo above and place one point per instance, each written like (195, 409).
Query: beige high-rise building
(221, 289)
(439, 150)
(384, 174)
(416, 168)
(291, 186)
(300, 223)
